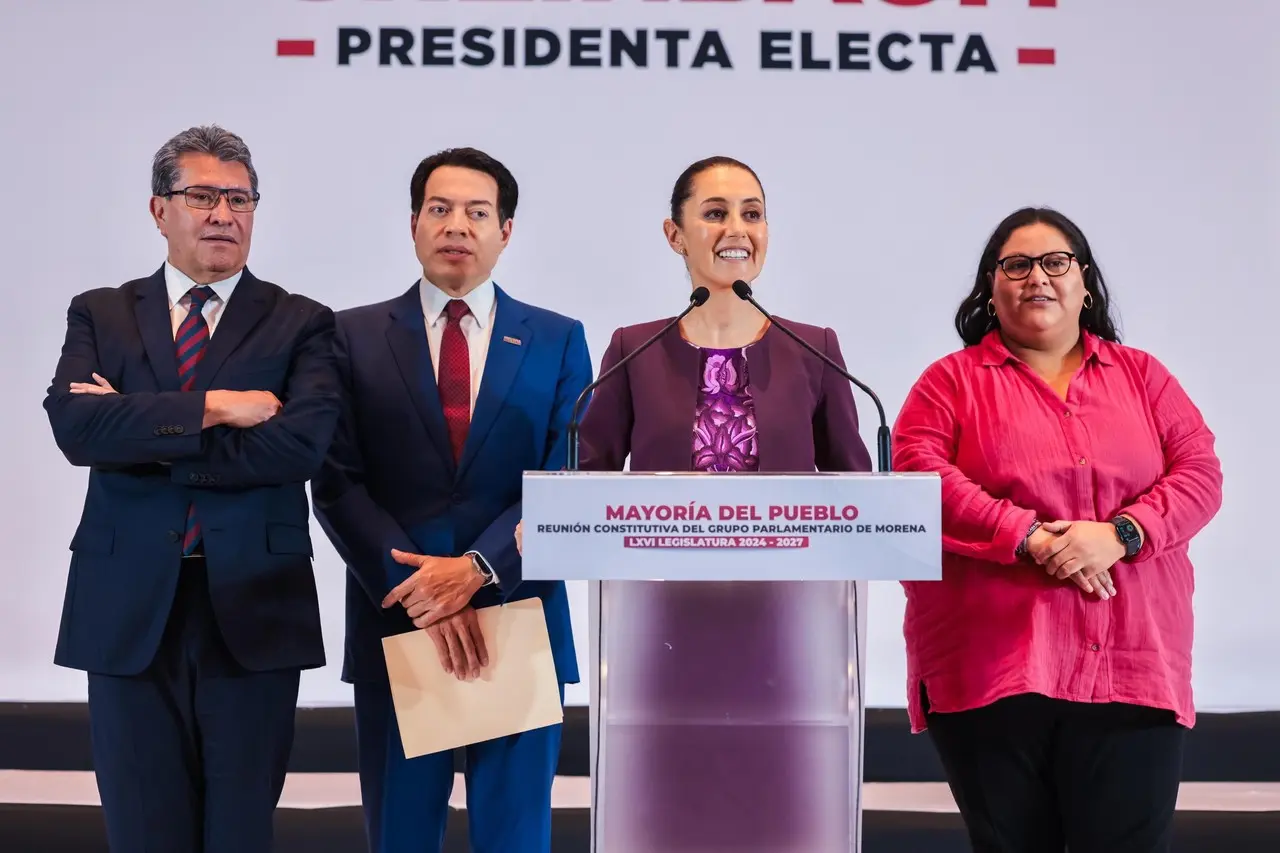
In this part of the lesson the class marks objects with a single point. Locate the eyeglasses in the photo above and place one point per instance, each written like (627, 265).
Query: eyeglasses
(207, 198)
(1018, 267)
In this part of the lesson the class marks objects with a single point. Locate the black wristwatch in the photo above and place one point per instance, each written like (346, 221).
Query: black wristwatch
(1127, 533)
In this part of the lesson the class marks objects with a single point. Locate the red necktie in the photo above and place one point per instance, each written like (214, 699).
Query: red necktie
(454, 380)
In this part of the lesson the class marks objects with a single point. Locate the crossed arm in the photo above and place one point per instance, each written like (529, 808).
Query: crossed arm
(214, 439)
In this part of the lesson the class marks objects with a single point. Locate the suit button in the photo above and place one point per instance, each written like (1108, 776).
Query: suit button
(179, 430)
(195, 478)
(158, 431)
(174, 536)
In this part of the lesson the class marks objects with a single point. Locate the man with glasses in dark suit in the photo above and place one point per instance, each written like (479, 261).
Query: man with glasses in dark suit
(201, 399)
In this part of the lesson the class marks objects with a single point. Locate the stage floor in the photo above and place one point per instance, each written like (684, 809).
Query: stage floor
(58, 812)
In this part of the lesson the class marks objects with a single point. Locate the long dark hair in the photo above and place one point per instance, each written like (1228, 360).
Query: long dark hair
(973, 321)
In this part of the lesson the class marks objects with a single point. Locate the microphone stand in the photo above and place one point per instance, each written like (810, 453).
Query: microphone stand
(699, 296)
(883, 450)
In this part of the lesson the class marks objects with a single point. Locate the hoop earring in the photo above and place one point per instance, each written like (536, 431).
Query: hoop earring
(1088, 300)
(991, 307)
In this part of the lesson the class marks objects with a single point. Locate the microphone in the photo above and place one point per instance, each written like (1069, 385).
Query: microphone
(743, 290)
(699, 296)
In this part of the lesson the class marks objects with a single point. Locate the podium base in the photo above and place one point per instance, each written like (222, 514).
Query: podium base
(727, 716)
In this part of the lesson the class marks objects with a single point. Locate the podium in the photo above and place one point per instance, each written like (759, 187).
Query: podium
(728, 644)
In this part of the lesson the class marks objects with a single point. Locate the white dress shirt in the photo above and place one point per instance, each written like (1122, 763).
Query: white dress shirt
(476, 326)
(177, 283)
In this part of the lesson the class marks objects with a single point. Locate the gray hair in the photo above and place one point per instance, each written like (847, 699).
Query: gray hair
(209, 139)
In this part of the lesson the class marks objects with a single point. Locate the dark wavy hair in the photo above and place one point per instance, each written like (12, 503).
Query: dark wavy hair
(683, 189)
(973, 322)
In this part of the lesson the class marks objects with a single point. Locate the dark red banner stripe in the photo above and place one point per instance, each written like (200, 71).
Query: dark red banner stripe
(295, 47)
(1036, 56)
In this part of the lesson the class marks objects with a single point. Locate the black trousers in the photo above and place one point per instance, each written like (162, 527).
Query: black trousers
(1037, 775)
(191, 754)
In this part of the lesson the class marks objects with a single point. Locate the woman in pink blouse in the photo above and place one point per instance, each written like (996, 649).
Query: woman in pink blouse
(1052, 663)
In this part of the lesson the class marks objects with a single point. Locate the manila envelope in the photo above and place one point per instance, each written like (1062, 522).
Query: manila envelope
(516, 692)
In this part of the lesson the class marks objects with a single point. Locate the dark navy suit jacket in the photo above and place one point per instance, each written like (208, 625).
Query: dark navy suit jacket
(391, 482)
(148, 458)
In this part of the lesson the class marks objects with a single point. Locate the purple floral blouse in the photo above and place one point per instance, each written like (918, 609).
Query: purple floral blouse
(724, 425)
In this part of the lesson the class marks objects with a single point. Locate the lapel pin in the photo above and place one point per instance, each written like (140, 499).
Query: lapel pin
(511, 340)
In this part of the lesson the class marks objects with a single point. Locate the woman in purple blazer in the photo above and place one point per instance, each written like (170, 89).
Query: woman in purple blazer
(724, 393)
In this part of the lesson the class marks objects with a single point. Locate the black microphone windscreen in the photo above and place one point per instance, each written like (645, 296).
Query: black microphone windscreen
(699, 296)
(743, 289)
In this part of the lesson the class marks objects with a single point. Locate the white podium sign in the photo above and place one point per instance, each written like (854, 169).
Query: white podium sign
(727, 713)
(741, 527)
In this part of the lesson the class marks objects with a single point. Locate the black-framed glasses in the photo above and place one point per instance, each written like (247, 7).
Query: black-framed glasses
(207, 198)
(1019, 266)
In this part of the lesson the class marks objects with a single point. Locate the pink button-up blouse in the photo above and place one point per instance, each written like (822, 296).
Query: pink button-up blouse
(1010, 451)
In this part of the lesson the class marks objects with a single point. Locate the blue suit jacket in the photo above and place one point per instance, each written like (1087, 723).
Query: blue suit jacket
(390, 480)
(149, 458)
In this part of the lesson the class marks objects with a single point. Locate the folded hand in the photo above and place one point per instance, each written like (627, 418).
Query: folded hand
(98, 387)
(240, 409)
(460, 644)
(1067, 557)
(440, 587)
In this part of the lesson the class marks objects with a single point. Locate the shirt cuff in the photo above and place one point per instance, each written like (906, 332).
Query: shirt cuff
(491, 577)
(1010, 535)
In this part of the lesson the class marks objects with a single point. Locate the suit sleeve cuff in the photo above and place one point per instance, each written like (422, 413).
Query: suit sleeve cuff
(491, 577)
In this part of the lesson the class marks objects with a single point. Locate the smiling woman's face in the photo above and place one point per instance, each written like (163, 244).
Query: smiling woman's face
(722, 232)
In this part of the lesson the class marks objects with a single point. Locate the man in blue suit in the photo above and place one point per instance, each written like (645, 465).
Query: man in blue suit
(201, 399)
(452, 390)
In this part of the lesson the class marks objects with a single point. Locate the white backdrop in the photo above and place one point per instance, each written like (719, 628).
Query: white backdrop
(1157, 128)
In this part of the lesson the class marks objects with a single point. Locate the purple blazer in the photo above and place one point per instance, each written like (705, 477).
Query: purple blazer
(805, 416)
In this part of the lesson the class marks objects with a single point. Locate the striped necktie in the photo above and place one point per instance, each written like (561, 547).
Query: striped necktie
(190, 343)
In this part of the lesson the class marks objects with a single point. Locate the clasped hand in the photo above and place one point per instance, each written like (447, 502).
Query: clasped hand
(436, 597)
(1080, 551)
(439, 588)
(460, 644)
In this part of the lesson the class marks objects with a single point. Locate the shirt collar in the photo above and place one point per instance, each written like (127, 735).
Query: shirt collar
(177, 283)
(434, 301)
(995, 353)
